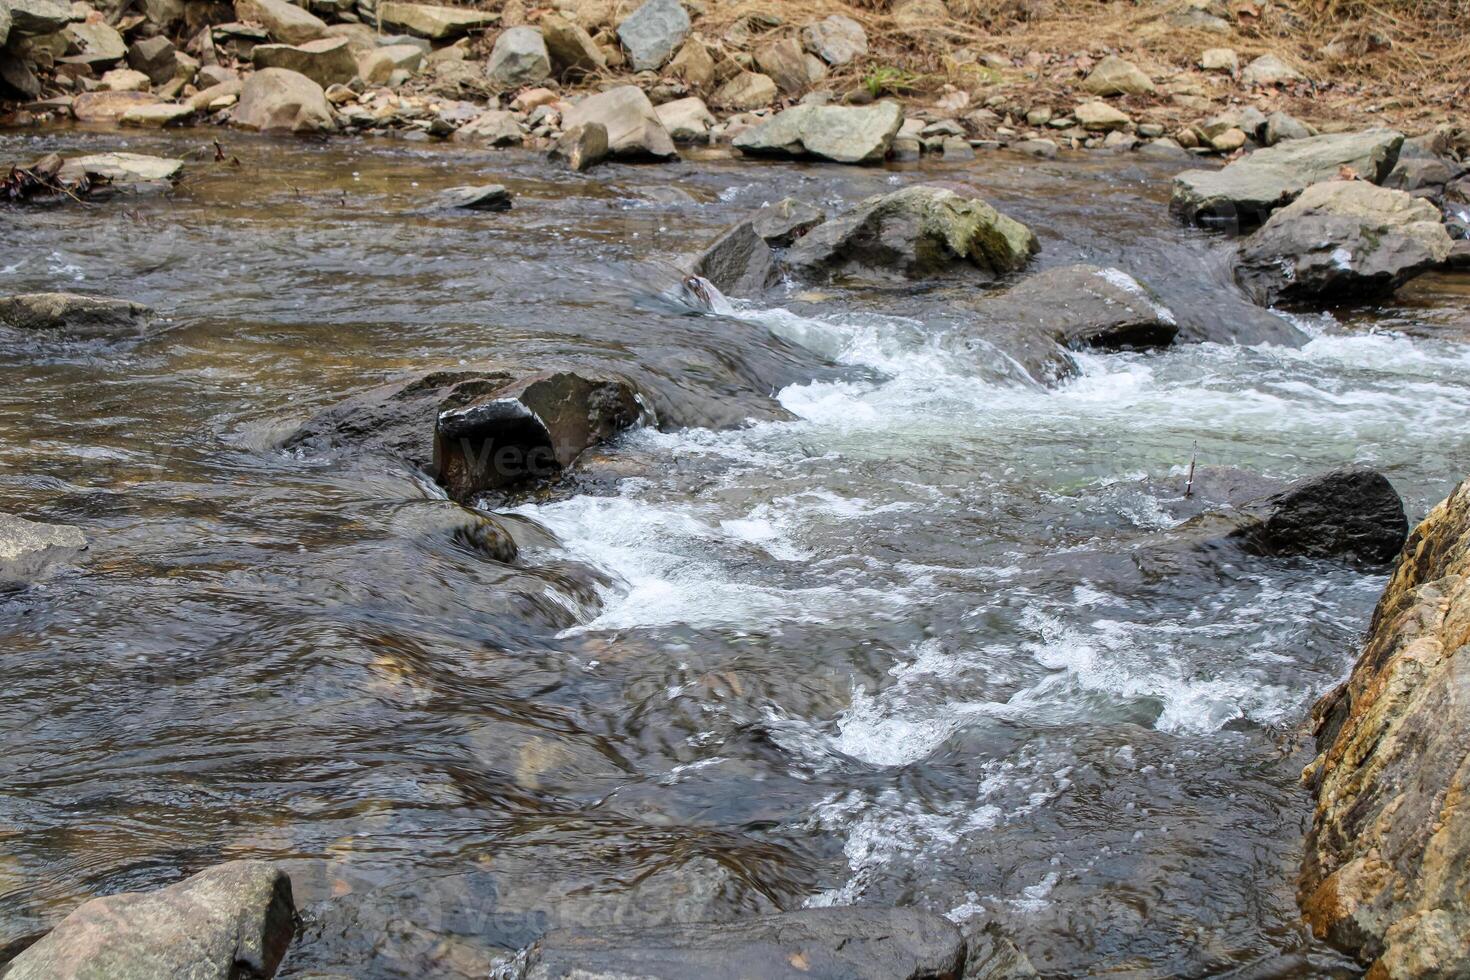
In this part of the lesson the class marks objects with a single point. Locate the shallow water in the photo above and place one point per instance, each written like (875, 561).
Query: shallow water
(890, 650)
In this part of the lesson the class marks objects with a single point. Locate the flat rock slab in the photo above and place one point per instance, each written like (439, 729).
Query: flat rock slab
(27, 547)
(1245, 193)
(123, 168)
(432, 21)
(490, 197)
(817, 944)
(109, 106)
(842, 134)
(74, 314)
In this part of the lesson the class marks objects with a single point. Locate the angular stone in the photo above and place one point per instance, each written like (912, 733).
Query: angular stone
(284, 21)
(74, 314)
(746, 91)
(653, 33)
(582, 147)
(37, 18)
(327, 61)
(154, 57)
(686, 120)
(1352, 513)
(26, 547)
(633, 128)
(1085, 306)
(234, 920)
(1269, 69)
(844, 134)
(837, 40)
(782, 223)
(1114, 76)
(157, 116)
(785, 62)
(123, 168)
(489, 197)
(694, 64)
(375, 67)
(493, 128)
(519, 58)
(125, 80)
(1220, 59)
(99, 43)
(1342, 241)
(1249, 189)
(1281, 127)
(432, 21)
(282, 100)
(572, 50)
(739, 263)
(1099, 117)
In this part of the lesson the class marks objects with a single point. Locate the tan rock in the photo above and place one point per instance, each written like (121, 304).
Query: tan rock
(1220, 59)
(493, 128)
(1269, 69)
(125, 80)
(1114, 76)
(785, 62)
(326, 61)
(748, 90)
(280, 99)
(156, 116)
(572, 50)
(284, 21)
(431, 21)
(1229, 140)
(108, 106)
(694, 64)
(378, 65)
(1099, 117)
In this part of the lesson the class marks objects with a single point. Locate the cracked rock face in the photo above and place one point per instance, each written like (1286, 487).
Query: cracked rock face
(1387, 868)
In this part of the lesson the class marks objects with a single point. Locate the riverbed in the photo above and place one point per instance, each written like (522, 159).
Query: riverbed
(886, 646)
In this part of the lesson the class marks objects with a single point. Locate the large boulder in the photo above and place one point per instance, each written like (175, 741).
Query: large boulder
(1387, 868)
(633, 128)
(284, 21)
(739, 262)
(1244, 193)
(433, 21)
(843, 134)
(572, 50)
(914, 233)
(653, 32)
(75, 315)
(27, 548)
(278, 99)
(852, 943)
(327, 61)
(1342, 240)
(229, 922)
(837, 40)
(519, 58)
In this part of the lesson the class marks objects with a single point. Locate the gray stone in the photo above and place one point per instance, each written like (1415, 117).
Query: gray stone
(739, 263)
(4, 22)
(98, 43)
(277, 99)
(489, 197)
(686, 120)
(844, 134)
(1280, 127)
(1342, 240)
(71, 313)
(1246, 191)
(123, 168)
(837, 40)
(104, 106)
(377, 66)
(851, 943)
(228, 922)
(1423, 176)
(582, 147)
(653, 32)
(1114, 76)
(35, 18)
(633, 128)
(28, 548)
(746, 91)
(782, 223)
(326, 61)
(433, 21)
(1220, 59)
(1045, 149)
(1269, 69)
(154, 57)
(286, 22)
(519, 58)
(785, 62)
(495, 127)
(1085, 306)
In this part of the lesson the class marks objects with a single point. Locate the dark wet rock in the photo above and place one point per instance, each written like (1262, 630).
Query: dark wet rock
(852, 943)
(529, 430)
(993, 955)
(1421, 176)
(1387, 866)
(1244, 193)
(27, 547)
(782, 223)
(489, 197)
(582, 147)
(1082, 306)
(1341, 241)
(739, 262)
(842, 134)
(915, 233)
(74, 314)
(653, 32)
(633, 128)
(155, 57)
(230, 922)
(1459, 257)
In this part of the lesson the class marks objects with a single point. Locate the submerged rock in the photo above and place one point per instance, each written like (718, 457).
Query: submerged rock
(1244, 193)
(123, 168)
(1387, 868)
(917, 232)
(489, 197)
(1081, 306)
(853, 943)
(74, 314)
(843, 134)
(782, 223)
(633, 128)
(229, 922)
(1342, 240)
(27, 548)
(282, 100)
(739, 262)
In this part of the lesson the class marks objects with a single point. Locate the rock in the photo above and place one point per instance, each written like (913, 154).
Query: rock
(582, 147)
(694, 64)
(37, 18)
(1045, 149)
(633, 129)
(782, 223)
(489, 197)
(914, 233)
(233, 920)
(327, 61)
(98, 43)
(154, 57)
(284, 21)
(1249, 189)
(19, 75)
(572, 50)
(1220, 59)
(785, 62)
(1099, 117)
(1268, 69)
(156, 116)
(74, 314)
(653, 33)
(28, 548)
(1423, 177)
(1352, 513)
(1342, 240)
(1387, 866)
(104, 106)
(123, 168)
(4, 22)
(746, 91)
(1281, 127)
(1114, 76)
(1084, 306)
(519, 58)
(844, 134)
(432, 21)
(1164, 148)
(739, 263)
(125, 80)
(837, 40)
(277, 99)
(493, 128)
(853, 943)
(686, 120)
(204, 99)
(1228, 141)
(375, 67)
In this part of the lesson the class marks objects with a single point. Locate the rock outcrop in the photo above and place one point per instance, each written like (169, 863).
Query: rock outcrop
(915, 233)
(1245, 193)
(1387, 871)
(74, 314)
(853, 943)
(1342, 241)
(229, 922)
(843, 134)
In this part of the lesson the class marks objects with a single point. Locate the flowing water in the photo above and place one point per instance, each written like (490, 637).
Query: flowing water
(892, 649)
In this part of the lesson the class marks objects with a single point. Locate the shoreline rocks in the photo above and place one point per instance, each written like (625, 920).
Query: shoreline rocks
(842, 134)
(634, 131)
(278, 99)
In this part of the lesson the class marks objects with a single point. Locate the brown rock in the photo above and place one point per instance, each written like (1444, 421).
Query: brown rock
(571, 48)
(785, 62)
(694, 64)
(748, 90)
(582, 147)
(109, 106)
